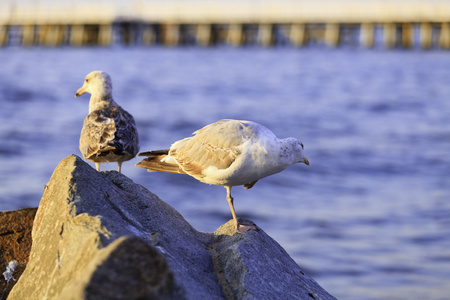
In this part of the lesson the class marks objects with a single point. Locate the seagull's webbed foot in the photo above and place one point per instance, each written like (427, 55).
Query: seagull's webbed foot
(244, 226)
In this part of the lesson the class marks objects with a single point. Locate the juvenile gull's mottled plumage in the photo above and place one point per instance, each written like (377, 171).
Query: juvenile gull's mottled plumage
(228, 153)
(109, 132)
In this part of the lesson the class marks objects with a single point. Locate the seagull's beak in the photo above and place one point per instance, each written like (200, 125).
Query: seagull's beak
(306, 161)
(80, 91)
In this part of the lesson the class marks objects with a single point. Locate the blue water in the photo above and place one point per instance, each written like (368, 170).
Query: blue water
(368, 219)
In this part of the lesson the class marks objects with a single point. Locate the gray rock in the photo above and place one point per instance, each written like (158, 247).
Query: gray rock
(256, 267)
(101, 236)
(15, 246)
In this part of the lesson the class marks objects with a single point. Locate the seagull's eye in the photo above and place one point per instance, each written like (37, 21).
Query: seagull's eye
(87, 80)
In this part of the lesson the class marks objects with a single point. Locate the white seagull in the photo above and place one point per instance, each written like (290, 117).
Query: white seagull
(109, 132)
(228, 153)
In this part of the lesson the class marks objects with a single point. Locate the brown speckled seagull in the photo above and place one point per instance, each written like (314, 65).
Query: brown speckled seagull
(228, 153)
(109, 132)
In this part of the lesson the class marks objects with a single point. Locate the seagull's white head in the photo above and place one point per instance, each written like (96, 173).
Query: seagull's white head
(98, 84)
(295, 147)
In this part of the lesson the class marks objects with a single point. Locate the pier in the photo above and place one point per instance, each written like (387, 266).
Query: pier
(372, 23)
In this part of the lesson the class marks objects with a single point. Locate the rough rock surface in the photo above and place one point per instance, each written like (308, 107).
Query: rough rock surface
(101, 236)
(15, 245)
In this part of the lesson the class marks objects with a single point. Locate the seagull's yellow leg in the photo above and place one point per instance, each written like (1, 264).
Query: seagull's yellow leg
(241, 227)
(230, 202)
(120, 166)
(97, 165)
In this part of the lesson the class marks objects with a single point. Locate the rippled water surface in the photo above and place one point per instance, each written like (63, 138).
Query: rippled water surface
(368, 219)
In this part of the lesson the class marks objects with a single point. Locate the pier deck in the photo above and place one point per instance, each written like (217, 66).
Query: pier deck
(146, 22)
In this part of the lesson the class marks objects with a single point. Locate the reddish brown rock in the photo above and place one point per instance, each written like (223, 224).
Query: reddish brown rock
(15, 244)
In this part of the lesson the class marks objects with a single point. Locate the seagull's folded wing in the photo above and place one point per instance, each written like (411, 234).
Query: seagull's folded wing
(215, 145)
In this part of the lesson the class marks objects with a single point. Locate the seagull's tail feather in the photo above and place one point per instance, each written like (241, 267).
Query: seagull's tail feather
(154, 162)
(154, 153)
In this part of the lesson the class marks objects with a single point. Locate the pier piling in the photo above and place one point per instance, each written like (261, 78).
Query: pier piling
(4, 36)
(77, 35)
(367, 35)
(389, 35)
(170, 35)
(407, 35)
(235, 36)
(425, 35)
(297, 35)
(105, 33)
(444, 36)
(266, 36)
(332, 34)
(203, 35)
(28, 34)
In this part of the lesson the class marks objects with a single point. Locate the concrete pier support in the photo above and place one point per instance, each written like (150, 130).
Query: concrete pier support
(28, 32)
(105, 34)
(407, 35)
(170, 34)
(203, 35)
(389, 35)
(425, 35)
(444, 36)
(50, 35)
(41, 34)
(235, 35)
(77, 35)
(4, 35)
(367, 35)
(148, 35)
(297, 35)
(332, 34)
(265, 36)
